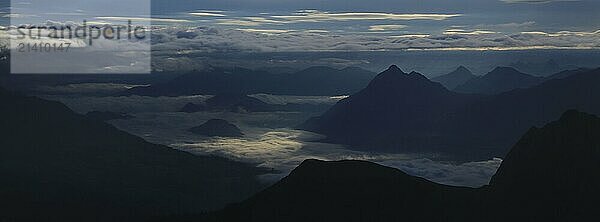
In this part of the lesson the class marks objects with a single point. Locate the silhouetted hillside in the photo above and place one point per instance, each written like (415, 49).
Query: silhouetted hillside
(503, 118)
(311, 81)
(351, 191)
(401, 112)
(566, 73)
(397, 112)
(106, 116)
(538, 68)
(217, 127)
(57, 165)
(551, 174)
(499, 80)
(456, 78)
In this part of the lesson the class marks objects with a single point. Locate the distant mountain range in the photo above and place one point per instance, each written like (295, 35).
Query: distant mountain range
(68, 167)
(551, 174)
(400, 112)
(540, 68)
(244, 104)
(567, 73)
(396, 112)
(311, 81)
(456, 78)
(499, 80)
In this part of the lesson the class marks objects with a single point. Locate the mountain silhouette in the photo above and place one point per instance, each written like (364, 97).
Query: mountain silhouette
(401, 112)
(457, 77)
(499, 80)
(350, 190)
(501, 119)
(541, 68)
(214, 81)
(242, 104)
(566, 73)
(217, 127)
(397, 112)
(551, 174)
(66, 167)
(106, 115)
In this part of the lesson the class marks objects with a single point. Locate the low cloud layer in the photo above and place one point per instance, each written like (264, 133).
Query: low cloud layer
(319, 16)
(208, 39)
(267, 141)
(537, 1)
(284, 149)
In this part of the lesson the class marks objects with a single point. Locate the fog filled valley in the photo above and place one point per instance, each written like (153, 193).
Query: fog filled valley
(293, 110)
(277, 133)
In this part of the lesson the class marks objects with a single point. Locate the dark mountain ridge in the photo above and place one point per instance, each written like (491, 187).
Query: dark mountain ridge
(567, 73)
(396, 109)
(66, 167)
(107, 115)
(240, 103)
(455, 78)
(350, 191)
(230, 102)
(400, 113)
(551, 174)
(311, 81)
(499, 80)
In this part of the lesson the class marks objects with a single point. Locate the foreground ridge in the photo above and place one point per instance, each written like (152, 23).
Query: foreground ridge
(551, 174)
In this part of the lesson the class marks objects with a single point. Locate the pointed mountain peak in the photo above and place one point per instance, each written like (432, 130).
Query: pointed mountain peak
(462, 69)
(394, 80)
(455, 78)
(393, 73)
(417, 75)
(394, 68)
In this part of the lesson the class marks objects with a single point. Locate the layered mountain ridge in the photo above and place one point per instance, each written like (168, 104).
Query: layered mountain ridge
(455, 78)
(549, 175)
(399, 112)
(68, 167)
(499, 80)
(311, 81)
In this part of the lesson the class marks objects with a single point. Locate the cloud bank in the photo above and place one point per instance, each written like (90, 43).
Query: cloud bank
(537, 1)
(266, 142)
(210, 39)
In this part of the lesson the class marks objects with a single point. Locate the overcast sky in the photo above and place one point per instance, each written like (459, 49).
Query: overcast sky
(198, 26)
(547, 14)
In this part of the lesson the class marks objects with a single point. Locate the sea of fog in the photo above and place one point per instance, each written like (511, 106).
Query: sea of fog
(270, 138)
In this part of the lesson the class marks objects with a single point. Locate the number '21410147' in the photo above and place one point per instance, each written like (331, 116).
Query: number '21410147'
(44, 47)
